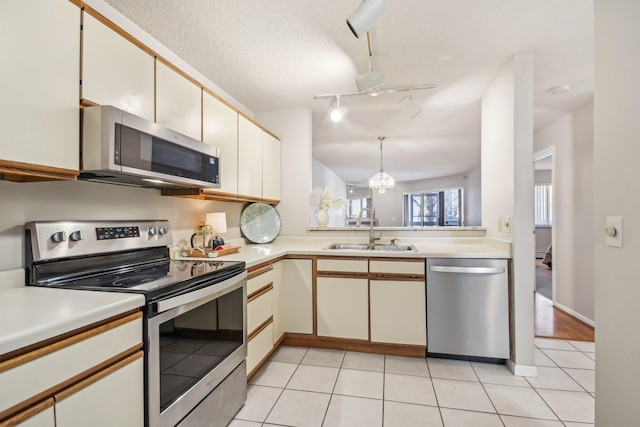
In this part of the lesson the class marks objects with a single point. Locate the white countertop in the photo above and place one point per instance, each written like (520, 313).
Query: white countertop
(32, 314)
(472, 247)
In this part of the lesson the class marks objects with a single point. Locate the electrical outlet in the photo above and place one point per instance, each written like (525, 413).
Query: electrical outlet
(507, 224)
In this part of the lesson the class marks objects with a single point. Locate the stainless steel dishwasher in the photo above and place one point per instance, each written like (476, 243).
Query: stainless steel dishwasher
(468, 308)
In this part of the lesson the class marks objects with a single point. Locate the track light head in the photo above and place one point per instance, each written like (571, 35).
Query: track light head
(370, 80)
(363, 18)
(337, 113)
(409, 107)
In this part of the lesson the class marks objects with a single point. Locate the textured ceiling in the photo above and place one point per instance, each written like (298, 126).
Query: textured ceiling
(279, 54)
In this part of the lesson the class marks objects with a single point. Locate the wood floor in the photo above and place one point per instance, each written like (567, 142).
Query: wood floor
(551, 322)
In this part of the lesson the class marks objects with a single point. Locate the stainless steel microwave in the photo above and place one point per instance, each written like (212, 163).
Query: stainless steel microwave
(121, 148)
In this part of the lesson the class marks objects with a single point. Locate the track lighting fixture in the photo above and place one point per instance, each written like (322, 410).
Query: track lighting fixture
(337, 113)
(363, 18)
(409, 107)
(372, 79)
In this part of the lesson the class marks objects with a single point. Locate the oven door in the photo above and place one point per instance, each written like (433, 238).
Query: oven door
(194, 342)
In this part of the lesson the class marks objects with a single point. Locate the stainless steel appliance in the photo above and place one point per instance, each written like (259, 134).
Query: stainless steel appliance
(195, 313)
(120, 148)
(468, 308)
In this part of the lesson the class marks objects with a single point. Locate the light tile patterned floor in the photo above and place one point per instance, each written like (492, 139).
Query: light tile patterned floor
(302, 387)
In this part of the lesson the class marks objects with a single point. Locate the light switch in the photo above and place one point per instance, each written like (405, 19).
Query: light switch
(507, 224)
(613, 231)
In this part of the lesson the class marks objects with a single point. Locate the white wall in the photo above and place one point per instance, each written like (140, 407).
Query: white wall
(293, 127)
(71, 200)
(572, 137)
(323, 177)
(507, 188)
(616, 174)
(473, 197)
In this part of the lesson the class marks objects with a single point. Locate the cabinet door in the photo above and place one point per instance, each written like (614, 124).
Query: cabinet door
(39, 77)
(343, 307)
(296, 296)
(115, 71)
(259, 346)
(270, 168)
(220, 129)
(250, 139)
(278, 272)
(398, 312)
(40, 415)
(178, 102)
(112, 397)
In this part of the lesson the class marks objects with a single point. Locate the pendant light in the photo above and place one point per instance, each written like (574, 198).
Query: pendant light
(382, 181)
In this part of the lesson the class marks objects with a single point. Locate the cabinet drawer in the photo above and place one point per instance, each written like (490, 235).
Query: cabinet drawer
(25, 376)
(260, 281)
(40, 415)
(397, 267)
(259, 310)
(346, 265)
(259, 346)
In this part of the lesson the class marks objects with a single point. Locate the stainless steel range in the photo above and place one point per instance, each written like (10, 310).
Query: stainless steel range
(195, 313)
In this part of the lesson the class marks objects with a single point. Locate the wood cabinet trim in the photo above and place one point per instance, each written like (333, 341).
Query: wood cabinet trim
(66, 342)
(397, 259)
(260, 328)
(28, 172)
(28, 413)
(259, 269)
(208, 194)
(257, 124)
(257, 294)
(342, 274)
(308, 340)
(97, 376)
(396, 277)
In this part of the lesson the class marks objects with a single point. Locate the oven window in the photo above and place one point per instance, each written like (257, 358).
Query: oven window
(195, 342)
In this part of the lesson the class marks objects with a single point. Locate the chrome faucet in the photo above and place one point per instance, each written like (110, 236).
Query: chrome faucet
(372, 237)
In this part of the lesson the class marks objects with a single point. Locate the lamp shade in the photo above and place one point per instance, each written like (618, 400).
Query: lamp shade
(381, 182)
(217, 220)
(363, 18)
(369, 80)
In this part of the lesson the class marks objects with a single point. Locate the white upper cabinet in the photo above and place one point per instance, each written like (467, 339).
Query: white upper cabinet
(270, 168)
(39, 76)
(115, 71)
(220, 129)
(250, 138)
(178, 102)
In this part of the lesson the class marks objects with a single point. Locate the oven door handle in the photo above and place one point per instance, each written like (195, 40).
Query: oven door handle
(208, 293)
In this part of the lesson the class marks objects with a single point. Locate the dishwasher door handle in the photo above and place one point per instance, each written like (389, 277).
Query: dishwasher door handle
(466, 270)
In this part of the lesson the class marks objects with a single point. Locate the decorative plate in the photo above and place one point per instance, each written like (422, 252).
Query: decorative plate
(260, 223)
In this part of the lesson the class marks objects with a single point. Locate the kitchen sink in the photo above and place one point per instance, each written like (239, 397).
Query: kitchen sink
(371, 247)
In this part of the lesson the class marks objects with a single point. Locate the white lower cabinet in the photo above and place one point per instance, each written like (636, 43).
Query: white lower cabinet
(95, 378)
(259, 346)
(40, 415)
(114, 397)
(398, 312)
(296, 296)
(343, 307)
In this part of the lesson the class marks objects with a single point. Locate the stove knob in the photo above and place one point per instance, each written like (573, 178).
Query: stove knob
(59, 237)
(76, 235)
(153, 231)
(163, 231)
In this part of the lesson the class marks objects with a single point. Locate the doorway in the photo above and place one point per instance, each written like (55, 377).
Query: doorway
(543, 218)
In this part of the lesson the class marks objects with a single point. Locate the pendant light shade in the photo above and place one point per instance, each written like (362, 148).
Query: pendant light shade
(382, 181)
(370, 80)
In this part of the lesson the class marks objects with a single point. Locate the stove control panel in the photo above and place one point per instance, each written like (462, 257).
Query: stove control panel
(104, 233)
(59, 239)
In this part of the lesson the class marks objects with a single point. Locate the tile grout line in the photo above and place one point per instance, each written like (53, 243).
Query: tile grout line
(487, 393)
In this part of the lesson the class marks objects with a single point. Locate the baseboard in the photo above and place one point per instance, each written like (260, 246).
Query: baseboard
(522, 370)
(575, 314)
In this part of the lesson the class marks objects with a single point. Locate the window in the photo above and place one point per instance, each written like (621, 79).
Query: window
(542, 205)
(432, 208)
(356, 205)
